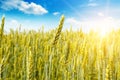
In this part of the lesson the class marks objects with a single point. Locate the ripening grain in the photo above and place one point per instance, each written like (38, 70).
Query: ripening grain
(75, 56)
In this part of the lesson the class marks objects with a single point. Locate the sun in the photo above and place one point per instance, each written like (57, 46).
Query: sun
(105, 25)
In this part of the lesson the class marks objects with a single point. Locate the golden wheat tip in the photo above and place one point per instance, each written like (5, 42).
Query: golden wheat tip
(3, 17)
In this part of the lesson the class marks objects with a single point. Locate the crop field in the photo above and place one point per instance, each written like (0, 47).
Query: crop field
(59, 55)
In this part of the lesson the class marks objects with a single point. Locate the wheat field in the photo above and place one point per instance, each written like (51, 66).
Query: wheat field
(59, 55)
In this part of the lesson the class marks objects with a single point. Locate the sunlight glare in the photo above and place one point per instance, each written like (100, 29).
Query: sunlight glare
(103, 26)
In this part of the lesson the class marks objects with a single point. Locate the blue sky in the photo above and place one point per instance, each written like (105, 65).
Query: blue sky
(32, 14)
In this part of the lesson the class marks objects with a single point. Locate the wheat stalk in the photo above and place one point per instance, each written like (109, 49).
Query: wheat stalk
(1, 53)
(59, 30)
(2, 27)
(108, 71)
(29, 65)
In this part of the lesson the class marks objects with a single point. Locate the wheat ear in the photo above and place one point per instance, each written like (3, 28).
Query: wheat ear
(59, 30)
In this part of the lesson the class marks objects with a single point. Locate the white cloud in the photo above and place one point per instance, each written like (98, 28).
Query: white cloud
(28, 8)
(11, 24)
(15, 24)
(91, 0)
(13, 21)
(8, 4)
(101, 14)
(101, 25)
(72, 21)
(56, 13)
(92, 4)
(76, 24)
